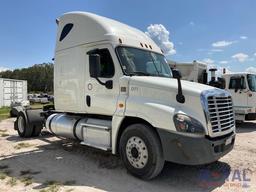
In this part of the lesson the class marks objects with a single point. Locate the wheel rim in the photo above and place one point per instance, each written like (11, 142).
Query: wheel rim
(137, 152)
(21, 124)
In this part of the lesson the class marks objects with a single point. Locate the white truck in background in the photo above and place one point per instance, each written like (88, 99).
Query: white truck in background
(242, 86)
(194, 72)
(114, 91)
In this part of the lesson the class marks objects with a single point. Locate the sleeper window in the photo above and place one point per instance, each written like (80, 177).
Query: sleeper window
(65, 31)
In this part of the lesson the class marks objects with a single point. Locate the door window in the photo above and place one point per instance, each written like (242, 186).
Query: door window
(107, 64)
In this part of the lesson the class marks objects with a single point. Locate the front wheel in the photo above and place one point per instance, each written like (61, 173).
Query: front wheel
(141, 151)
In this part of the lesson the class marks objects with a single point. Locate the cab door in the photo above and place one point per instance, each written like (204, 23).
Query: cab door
(251, 80)
(101, 99)
(237, 86)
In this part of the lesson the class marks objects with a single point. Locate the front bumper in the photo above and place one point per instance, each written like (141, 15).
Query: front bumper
(193, 150)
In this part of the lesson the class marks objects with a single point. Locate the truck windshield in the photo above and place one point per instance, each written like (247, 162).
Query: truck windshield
(136, 61)
(252, 82)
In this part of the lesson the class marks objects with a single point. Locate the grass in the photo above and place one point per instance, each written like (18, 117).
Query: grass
(51, 186)
(39, 105)
(4, 113)
(27, 180)
(54, 186)
(3, 133)
(12, 181)
(4, 172)
(69, 190)
(22, 145)
(3, 175)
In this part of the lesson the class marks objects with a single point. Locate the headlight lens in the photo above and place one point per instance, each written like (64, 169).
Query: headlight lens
(186, 124)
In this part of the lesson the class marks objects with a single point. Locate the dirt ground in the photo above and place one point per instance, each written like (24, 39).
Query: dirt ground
(48, 164)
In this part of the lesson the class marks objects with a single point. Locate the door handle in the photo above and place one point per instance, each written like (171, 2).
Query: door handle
(88, 100)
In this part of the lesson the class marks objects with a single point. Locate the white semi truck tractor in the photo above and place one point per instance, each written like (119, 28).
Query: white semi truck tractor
(115, 91)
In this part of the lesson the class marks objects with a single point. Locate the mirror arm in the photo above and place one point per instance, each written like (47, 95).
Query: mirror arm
(180, 97)
(107, 85)
(99, 81)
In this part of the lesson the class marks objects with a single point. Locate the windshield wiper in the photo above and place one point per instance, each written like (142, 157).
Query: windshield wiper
(141, 73)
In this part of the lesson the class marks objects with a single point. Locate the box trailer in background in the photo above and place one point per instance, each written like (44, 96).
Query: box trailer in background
(194, 72)
(12, 91)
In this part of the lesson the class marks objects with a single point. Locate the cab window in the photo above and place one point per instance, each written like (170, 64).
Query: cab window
(236, 82)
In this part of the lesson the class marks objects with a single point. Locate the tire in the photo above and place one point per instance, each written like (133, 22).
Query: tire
(24, 130)
(141, 151)
(12, 114)
(36, 131)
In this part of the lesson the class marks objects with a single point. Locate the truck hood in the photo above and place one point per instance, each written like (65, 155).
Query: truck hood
(169, 84)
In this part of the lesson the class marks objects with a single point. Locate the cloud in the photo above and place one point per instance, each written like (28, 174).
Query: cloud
(3, 69)
(216, 50)
(243, 37)
(191, 23)
(241, 57)
(201, 50)
(251, 69)
(223, 62)
(222, 43)
(254, 54)
(208, 61)
(161, 37)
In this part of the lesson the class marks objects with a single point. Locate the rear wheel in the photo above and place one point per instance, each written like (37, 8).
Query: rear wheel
(141, 151)
(24, 130)
(36, 131)
(12, 113)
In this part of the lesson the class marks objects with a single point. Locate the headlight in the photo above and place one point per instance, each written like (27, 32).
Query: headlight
(186, 124)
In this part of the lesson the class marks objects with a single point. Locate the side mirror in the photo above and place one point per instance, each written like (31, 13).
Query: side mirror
(176, 74)
(179, 97)
(95, 67)
(109, 84)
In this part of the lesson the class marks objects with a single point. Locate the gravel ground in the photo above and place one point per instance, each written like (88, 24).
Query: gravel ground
(48, 164)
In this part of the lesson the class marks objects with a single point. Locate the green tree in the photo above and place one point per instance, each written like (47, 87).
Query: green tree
(39, 77)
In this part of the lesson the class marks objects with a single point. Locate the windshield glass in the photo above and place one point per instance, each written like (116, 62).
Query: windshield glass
(142, 62)
(252, 82)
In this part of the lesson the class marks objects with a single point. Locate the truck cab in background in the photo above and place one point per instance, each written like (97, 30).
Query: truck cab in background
(242, 87)
(114, 90)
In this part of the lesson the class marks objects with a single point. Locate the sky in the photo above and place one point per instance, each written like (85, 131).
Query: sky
(220, 33)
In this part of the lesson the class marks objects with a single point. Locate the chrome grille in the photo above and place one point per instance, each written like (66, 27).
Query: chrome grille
(221, 114)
